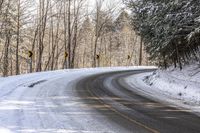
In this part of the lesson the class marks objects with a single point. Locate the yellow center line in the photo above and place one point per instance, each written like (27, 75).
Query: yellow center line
(122, 115)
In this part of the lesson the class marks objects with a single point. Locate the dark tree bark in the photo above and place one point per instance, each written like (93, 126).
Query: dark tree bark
(141, 50)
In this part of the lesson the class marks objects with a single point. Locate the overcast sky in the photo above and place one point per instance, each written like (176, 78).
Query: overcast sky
(109, 3)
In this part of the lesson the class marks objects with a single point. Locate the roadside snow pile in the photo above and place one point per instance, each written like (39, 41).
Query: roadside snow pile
(173, 85)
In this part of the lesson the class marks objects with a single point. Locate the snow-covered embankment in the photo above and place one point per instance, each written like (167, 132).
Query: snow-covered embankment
(181, 88)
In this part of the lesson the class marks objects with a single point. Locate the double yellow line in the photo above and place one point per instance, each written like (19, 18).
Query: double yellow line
(122, 115)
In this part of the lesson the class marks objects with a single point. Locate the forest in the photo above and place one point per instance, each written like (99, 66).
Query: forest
(170, 29)
(45, 35)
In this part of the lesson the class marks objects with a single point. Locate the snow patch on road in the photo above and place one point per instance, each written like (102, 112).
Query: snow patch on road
(182, 88)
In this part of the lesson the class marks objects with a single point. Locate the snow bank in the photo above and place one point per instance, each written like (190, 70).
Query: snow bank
(182, 88)
(9, 83)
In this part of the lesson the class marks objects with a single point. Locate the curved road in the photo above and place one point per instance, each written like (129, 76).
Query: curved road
(77, 101)
(131, 110)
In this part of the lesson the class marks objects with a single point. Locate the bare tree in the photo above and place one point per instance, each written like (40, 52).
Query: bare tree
(77, 9)
(102, 17)
(42, 27)
(65, 34)
(69, 34)
(8, 36)
(18, 33)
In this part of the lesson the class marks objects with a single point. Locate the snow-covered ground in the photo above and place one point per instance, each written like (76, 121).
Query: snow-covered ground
(181, 88)
(47, 102)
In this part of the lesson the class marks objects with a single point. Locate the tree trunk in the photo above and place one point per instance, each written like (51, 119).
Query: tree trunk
(17, 46)
(5, 61)
(69, 34)
(43, 19)
(178, 57)
(65, 36)
(141, 50)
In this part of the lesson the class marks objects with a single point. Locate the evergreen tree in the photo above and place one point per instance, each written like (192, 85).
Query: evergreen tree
(170, 28)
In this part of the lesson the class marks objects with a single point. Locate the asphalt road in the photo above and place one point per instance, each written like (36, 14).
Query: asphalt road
(132, 111)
